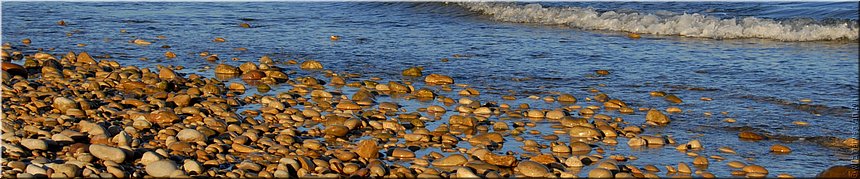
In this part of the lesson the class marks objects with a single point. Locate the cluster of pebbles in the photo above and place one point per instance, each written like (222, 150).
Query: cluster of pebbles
(70, 115)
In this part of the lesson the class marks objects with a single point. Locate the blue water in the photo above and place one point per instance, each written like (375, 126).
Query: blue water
(758, 81)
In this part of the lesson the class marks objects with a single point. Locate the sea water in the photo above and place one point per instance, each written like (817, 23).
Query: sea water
(755, 60)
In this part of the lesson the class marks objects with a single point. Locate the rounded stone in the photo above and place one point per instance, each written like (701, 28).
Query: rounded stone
(451, 160)
(750, 136)
(532, 169)
(367, 149)
(755, 169)
(656, 117)
(780, 148)
(311, 64)
(191, 135)
(35, 144)
(402, 153)
(64, 104)
(336, 130)
(161, 168)
(438, 79)
(599, 173)
(107, 153)
(227, 69)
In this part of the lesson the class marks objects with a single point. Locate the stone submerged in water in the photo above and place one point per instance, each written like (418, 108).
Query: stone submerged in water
(413, 71)
(750, 136)
(846, 171)
(311, 65)
(438, 79)
(227, 69)
(656, 117)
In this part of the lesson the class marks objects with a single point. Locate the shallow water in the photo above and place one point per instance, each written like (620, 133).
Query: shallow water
(759, 82)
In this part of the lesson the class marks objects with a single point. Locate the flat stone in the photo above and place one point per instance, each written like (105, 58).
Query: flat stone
(64, 104)
(35, 144)
(451, 160)
(161, 168)
(191, 135)
(402, 153)
(755, 169)
(499, 160)
(599, 173)
(532, 169)
(108, 153)
(438, 79)
(780, 148)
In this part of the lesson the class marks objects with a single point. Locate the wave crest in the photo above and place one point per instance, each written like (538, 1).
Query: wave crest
(690, 25)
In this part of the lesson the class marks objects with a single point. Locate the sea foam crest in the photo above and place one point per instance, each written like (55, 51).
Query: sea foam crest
(690, 25)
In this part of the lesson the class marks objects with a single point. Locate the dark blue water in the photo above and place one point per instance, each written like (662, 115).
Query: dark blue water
(758, 81)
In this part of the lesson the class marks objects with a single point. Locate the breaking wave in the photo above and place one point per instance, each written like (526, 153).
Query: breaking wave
(667, 23)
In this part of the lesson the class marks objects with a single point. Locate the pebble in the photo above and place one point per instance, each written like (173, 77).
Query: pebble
(311, 65)
(413, 71)
(736, 164)
(438, 79)
(700, 160)
(532, 169)
(191, 135)
(66, 170)
(402, 153)
(600, 173)
(750, 136)
(367, 149)
(656, 117)
(107, 153)
(755, 169)
(451, 160)
(161, 168)
(64, 104)
(684, 168)
(35, 144)
(780, 148)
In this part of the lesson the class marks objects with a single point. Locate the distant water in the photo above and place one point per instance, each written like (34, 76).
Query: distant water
(756, 73)
(798, 21)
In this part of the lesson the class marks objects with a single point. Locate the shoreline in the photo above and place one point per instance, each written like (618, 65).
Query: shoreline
(168, 124)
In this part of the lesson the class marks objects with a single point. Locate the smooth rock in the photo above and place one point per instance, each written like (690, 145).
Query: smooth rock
(161, 168)
(402, 153)
(191, 135)
(35, 144)
(311, 64)
(64, 104)
(780, 148)
(367, 149)
(451, 160)
(438, 79)
(656, 117)
(227, 69)
(755, 169)
(107, 153)
(600, 173)
(532, 169)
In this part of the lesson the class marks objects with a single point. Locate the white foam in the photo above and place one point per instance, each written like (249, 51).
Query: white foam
(690, 25)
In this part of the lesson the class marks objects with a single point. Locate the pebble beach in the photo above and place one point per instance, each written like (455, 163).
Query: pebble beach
(139, 99)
